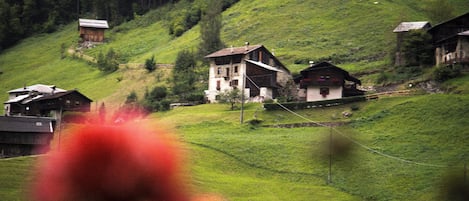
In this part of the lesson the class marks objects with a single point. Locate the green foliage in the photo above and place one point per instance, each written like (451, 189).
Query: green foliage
(150, 64)
(315, 104)
(155, 100)
(231, 97)
(210, 28)
(108, 63)
(417, 48)
(446, 72)
(184, 75)
(131, 98)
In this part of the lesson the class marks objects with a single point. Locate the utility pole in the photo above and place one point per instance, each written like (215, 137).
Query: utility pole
(242, 99)
(329, 176)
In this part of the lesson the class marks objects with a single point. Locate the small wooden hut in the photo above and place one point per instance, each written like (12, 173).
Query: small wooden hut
(92, 30)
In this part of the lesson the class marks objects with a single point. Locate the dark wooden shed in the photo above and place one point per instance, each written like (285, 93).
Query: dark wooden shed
(43, 105)
(92, 30)
(20, 136)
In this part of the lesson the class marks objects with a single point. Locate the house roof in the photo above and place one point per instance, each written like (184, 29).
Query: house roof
(263, 65)
(26, 124)
(41, 88)
(456, 18)
(61, 94)
(325, 65)
(100, 24)
(234, 51)
(407, 26)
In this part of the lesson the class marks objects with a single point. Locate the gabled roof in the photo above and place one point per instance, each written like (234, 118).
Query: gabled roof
(453, 19)
(41, 88)
(407, 26)
(100, 24)
(61, 94)
(326, 65)
(26, 124)
(234, 51)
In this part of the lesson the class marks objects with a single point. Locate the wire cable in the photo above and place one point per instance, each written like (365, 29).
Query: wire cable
(355, 141)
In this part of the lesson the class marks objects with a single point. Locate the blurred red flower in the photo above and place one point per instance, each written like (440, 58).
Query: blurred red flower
(101, 162)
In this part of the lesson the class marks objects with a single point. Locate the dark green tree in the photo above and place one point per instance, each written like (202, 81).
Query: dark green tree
(417, 48)
(184, 74)
(150, 64)
(210, 28)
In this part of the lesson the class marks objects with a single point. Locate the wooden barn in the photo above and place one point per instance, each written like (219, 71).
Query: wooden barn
(20, 136)
(253, 67)
(45, 101)
(92, 30)
(451, 41)
(401, 31)
(324, 81)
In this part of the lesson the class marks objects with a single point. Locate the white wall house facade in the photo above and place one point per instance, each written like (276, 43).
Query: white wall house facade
(324, 81)
(253, 67)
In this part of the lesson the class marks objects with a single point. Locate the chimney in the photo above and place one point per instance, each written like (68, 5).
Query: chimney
(232, 49)
(246, 46)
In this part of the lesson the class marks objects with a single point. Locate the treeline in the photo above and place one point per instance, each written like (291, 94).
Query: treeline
(22, 18)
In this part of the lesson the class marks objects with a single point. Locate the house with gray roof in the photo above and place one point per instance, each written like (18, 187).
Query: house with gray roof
(45, 101)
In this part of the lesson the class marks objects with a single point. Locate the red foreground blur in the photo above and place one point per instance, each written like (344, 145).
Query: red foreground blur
(101, 162)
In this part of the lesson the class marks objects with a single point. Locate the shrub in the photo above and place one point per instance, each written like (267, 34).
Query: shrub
(443, 73)
(150, 64)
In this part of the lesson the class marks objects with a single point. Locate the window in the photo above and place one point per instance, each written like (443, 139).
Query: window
(234, 83)
(218, 85)
(219, 71)
(235, 70)
(324, 91)
(227, 72)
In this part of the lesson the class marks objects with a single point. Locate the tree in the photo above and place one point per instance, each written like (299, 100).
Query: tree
(184, 75)
(230, 96)
(155, 100)
(417, 48)
(150, 64)
(210, 28)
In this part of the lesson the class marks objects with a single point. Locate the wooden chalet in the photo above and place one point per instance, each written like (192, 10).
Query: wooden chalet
(21, 136)
(253, 67)
(451, 41)
(45, 101)
(401, 31)
(324, 81)
(92, 30)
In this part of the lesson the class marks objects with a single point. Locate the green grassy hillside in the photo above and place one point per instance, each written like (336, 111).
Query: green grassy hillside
(356, 35)
(418, 136)
(420, 140)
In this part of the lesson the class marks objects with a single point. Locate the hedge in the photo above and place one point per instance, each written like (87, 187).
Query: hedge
(315, 104)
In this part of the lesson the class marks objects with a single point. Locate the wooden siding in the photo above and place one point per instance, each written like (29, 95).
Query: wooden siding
(92, 34)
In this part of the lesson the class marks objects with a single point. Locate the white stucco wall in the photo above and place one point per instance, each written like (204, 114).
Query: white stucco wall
(313, 93)
(212, 91)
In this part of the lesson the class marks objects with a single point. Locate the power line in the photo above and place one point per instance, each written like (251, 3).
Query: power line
(358, 143)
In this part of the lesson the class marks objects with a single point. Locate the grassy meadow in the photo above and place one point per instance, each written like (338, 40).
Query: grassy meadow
(246, 162)
(396, 148)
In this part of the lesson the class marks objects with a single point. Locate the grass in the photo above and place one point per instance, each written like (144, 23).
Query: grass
(244, 162)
